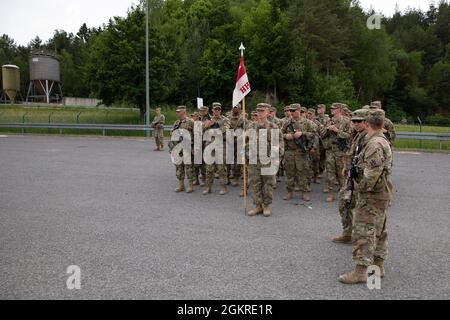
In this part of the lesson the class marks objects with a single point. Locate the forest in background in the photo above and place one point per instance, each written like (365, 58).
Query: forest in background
(307, 51)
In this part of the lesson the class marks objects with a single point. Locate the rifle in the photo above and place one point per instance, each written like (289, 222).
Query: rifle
(340, 142)
(352, 173)
(300, 142)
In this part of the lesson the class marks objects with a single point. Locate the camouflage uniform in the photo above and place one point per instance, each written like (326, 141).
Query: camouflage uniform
(390, 133)
(158, 126)
(358, 142)
(296, 161)
(223, 124)
(236, 122)
(374, 190)
(183, 170)
(315, 146)
(335, 153)
(323, 121)
(263, 185)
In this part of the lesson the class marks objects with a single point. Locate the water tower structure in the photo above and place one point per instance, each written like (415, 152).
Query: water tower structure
(45, 79)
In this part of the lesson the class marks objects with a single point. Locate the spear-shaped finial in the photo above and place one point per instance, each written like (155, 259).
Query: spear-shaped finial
(242, 48)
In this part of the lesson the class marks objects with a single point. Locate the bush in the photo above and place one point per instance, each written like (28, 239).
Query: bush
(438, 120)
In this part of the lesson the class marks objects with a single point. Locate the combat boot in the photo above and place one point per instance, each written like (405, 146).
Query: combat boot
(359, 275)
(180, 187)
(306, 196)
(190, 188)
(196, 183)
(208, 189)
(234, 182)
(343, 239)
(202, 181)
(242, 193)
(223, 190)
(288, 196)
(316, 180)
(380, 264)
(326, 189)
(330, 196)
(266, 211)
(255, 211)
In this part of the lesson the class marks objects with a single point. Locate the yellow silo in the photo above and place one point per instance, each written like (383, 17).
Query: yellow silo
(11, 81)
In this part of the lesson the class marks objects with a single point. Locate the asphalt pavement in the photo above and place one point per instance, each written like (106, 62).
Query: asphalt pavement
(108, 206)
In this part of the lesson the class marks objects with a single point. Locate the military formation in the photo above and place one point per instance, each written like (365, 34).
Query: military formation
(351, 151)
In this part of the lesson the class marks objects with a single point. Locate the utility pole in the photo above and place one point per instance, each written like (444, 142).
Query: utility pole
(147, 70)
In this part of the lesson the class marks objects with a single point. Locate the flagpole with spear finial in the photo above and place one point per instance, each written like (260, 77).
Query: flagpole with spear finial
(242, 49)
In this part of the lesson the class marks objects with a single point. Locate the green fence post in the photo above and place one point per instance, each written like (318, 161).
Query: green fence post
(23, 121)
(78, 117)
(50, 120)
(420, 123)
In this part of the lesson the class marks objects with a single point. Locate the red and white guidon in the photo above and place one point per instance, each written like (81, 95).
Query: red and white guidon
(242, 85)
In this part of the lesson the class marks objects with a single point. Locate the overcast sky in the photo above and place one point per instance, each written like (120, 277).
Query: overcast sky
(25, 19)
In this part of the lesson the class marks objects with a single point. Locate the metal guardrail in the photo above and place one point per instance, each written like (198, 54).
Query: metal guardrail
(124, 127)
(423, 136)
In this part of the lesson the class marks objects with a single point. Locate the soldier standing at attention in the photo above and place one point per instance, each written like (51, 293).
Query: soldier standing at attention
(263, 185)
(253, 119)
(337, 135)
(347, 197)
(374, 190)
(296, 135)
(158, 124)
(183, 170)
(237, 121)
(217, 122)
(196, 167)
(323, 119)
(314, 152)
(204, 117)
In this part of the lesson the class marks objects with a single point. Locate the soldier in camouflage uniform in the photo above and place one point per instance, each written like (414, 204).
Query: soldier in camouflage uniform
(347, 197)
(297, 134)
(336, 136)
(314, 152)
(237, 121)
(374, 190)
(204, 117)
(183, 170)
(323, 119)
(253, 119)
(287, 115)
(273, 118)
(388, 128)
(158, 125)
(263, 185)
(286, 119)
(196, 167)
(222, 123)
